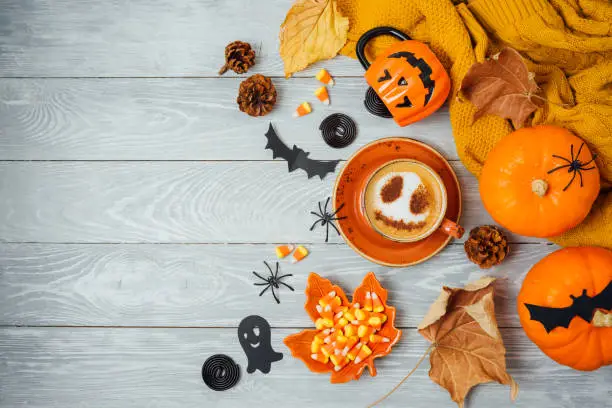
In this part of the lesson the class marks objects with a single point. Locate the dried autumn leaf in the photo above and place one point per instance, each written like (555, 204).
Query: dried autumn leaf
(313, 30)
(299, 343)
(502, 86)
(467, 348)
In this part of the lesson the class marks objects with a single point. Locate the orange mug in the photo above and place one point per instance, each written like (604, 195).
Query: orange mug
(436, 222)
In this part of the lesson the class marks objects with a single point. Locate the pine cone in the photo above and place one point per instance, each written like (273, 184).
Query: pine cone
(257, 95)
(239, 57)
(486, 246)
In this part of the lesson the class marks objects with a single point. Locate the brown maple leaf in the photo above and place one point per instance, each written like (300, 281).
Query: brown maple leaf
(299, 343)
(502, 86)
(467, 348)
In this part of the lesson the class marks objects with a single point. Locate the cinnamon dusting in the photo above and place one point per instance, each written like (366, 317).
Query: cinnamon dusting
(419, 201)
(399, 224)
(392, 190)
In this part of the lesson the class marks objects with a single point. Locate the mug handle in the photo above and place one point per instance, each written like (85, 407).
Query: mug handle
(452, 228)
(373, 33)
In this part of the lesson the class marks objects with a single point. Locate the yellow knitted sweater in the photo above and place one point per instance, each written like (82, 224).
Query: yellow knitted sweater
(567, 43)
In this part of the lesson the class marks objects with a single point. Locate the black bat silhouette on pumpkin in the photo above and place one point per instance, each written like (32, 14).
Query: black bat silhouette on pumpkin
(297, 158)
(425, 73)
(583, 306)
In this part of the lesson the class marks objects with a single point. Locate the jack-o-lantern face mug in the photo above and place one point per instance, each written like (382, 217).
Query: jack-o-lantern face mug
(408, 77)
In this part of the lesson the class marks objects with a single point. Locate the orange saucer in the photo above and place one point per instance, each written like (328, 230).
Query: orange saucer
(356, 229)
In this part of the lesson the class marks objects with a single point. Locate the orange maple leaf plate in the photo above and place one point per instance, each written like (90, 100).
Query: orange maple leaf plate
(364, 328)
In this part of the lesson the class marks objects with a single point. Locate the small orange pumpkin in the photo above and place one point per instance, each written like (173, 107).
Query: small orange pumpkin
(408, 77)
(539, 181)
(565, 307)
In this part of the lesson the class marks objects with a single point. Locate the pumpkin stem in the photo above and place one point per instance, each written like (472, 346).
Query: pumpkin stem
(601, 319)
(539, 187)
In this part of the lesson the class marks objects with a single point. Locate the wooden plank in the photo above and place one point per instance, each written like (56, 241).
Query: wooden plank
(212, 285)
(172, 202)
(181, 119)
(55, 367)
(89, 38)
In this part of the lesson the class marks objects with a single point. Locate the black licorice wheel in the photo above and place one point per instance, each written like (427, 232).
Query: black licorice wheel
(375, 105)
(338, 130)
(220, 372)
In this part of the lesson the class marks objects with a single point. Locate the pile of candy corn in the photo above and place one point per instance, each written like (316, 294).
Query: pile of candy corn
(321, 94)
(283, 250)
(347, 333)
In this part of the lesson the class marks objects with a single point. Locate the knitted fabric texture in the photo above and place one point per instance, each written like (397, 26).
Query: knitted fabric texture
(566, 43)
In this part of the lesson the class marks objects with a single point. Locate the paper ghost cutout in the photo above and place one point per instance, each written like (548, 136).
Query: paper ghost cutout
(254, 337)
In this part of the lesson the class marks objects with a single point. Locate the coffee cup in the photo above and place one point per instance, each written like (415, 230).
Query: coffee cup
(405, 201)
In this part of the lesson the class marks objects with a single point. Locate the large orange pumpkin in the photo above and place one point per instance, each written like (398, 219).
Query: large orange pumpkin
(539, 181)
(571, 287)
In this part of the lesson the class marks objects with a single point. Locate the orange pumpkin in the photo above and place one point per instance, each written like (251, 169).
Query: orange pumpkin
(408, 77)
(571, 287)
(539, 181)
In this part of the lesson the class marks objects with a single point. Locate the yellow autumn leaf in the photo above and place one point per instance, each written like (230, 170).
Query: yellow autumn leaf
(313, 30)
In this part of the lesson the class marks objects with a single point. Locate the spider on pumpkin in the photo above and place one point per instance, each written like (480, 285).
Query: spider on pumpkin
(272, 282)
(327, 218)
(574, 165)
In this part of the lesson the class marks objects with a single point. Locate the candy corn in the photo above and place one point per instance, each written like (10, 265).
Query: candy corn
(327, 349)
(375, 338)
(377, 305)
(302, 110)
(341, 342)
(350, 330)
(283, 250)
(320, 336)
(323, 323)
(340, 310)
(320, 358)
(365, 331)
(324, 77)
(350, 316)
(375, 322)
(368, 302)
(361, 315)
(341, 323)
(339, 362)
(350, 344)
(382, 316)
(299, 254)
(364, 352)
(328, 299)
(352, 354)
(347, 332)
(322, 95)
(326, 312)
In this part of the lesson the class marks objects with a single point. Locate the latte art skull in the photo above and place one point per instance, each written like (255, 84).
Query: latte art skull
(396, 196)
(404, 200)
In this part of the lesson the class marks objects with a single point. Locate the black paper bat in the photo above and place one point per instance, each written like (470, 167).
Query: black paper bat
(297, 158)
(583, 306)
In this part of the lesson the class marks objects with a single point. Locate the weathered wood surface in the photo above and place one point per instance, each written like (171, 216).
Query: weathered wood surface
(160, 200)
(212, 285)
(88, 367)
(182, 119)
(173, 202)
(90, 38)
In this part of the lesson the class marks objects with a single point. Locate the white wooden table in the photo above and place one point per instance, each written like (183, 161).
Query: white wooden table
(135, 200)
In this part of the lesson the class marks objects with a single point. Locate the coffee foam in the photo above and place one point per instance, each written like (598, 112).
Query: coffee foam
(399, 208)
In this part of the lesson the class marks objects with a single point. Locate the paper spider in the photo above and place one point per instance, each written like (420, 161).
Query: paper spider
(326, 218)
(574, 166)
(272, 282)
